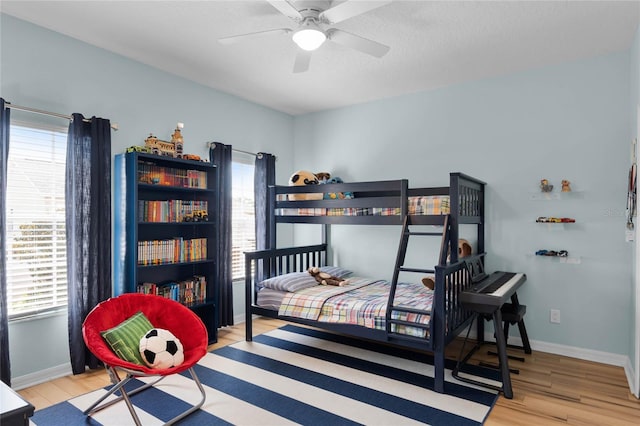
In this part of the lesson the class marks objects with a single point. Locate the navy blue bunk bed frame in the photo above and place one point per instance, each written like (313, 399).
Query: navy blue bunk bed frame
(448, 317)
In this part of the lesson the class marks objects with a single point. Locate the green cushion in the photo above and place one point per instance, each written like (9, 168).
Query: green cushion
(124, 339)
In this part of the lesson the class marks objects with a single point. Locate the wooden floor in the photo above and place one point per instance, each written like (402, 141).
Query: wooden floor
(550, 389)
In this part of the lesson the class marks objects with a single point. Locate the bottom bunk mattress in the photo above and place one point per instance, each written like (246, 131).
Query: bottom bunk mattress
(363, 302)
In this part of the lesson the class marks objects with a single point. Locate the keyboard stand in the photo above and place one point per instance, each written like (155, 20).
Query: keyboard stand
(501, 345)
(513, 313)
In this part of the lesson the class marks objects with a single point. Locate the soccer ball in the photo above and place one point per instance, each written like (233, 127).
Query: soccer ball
(161, 349)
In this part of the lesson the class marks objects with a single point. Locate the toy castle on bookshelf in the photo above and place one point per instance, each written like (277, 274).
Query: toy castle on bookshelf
(171, 149)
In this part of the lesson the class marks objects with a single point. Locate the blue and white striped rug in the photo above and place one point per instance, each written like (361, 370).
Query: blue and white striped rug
(295, 375)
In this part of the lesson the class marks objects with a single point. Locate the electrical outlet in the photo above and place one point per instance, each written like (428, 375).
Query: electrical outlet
(554, 316)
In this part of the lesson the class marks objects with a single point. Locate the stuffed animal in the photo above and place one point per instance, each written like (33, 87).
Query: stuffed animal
(545, 186)
(325, 278)
(300, 178)
(337, 195)
(566, 186)
(429, 282)
(323, 177)
(464, 250)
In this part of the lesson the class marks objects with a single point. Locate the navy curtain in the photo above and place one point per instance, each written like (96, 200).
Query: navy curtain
(264, 176)
(5, 366)
(88, 221)
(220, 156)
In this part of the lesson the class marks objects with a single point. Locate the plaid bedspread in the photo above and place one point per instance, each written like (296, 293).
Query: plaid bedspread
(307, 303)
(364, 303)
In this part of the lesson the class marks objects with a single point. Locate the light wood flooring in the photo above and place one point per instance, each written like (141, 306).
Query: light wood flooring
(550, 389)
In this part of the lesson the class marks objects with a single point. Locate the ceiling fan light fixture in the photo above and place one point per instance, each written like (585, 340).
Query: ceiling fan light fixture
(309, 36)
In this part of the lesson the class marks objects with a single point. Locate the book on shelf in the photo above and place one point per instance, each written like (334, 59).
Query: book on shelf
(151, 173)
(168, 211)
(189, 291)
(175, 250)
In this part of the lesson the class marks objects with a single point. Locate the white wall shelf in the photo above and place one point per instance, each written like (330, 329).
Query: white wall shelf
(556, 226)
(556, 195)
(571, 260)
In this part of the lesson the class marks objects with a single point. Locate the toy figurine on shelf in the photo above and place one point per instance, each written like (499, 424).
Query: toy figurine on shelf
(545, 186)
(177, 134)
(566, 186)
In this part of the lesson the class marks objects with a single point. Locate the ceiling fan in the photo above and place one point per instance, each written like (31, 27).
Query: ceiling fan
(314, 19)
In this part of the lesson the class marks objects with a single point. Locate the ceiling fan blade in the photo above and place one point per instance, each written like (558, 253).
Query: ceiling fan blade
(249, 36)
(359, 43)
(286, 9)
(303, 58)
(349, 9)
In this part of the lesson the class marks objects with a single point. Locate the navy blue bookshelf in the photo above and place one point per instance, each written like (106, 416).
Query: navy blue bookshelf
(157, 241)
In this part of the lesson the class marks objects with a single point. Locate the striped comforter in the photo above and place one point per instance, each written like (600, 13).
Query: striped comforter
(362, 302)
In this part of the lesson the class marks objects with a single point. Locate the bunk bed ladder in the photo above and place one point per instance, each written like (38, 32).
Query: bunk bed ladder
(399, 267)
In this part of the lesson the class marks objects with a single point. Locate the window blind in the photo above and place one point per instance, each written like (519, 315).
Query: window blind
(243, 234)
(36, 239)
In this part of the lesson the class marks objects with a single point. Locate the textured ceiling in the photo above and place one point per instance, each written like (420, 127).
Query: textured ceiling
(433, 43)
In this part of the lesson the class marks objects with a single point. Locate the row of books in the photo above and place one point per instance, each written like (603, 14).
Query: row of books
(175, 250)
(169, 210)
(168, 176)
(189, 291)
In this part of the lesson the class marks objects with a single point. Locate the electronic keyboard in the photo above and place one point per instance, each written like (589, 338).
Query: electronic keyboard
(489, 293)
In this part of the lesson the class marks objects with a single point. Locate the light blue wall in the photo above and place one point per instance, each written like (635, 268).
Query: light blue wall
(569, 121)
(45, 70)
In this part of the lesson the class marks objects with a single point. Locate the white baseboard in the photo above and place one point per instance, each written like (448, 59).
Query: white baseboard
(41, 376)
(628, 370)
(570, 351)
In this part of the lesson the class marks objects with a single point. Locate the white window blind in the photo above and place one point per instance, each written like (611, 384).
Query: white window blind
(36, 242)
(243, 212)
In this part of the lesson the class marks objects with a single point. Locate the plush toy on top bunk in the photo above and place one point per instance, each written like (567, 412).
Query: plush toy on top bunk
(302, 178)
(334, 195)
(325, 278)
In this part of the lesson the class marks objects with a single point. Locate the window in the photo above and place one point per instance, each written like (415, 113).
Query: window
(36, 239)
(243, 233)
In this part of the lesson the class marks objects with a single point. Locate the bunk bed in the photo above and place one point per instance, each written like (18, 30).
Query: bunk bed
(427, 326)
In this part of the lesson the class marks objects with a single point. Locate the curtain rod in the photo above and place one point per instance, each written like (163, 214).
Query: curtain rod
(259, 154)
(114, 126)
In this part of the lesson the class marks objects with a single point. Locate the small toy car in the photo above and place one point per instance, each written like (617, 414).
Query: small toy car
(193, 157)
(137, 148)
(196, 216)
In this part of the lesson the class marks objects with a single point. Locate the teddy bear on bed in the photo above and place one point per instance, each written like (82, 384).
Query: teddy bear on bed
(302, 178)
(464, 250)
(325, 278)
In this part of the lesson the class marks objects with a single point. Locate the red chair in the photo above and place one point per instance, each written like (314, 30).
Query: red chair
(162, 313)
